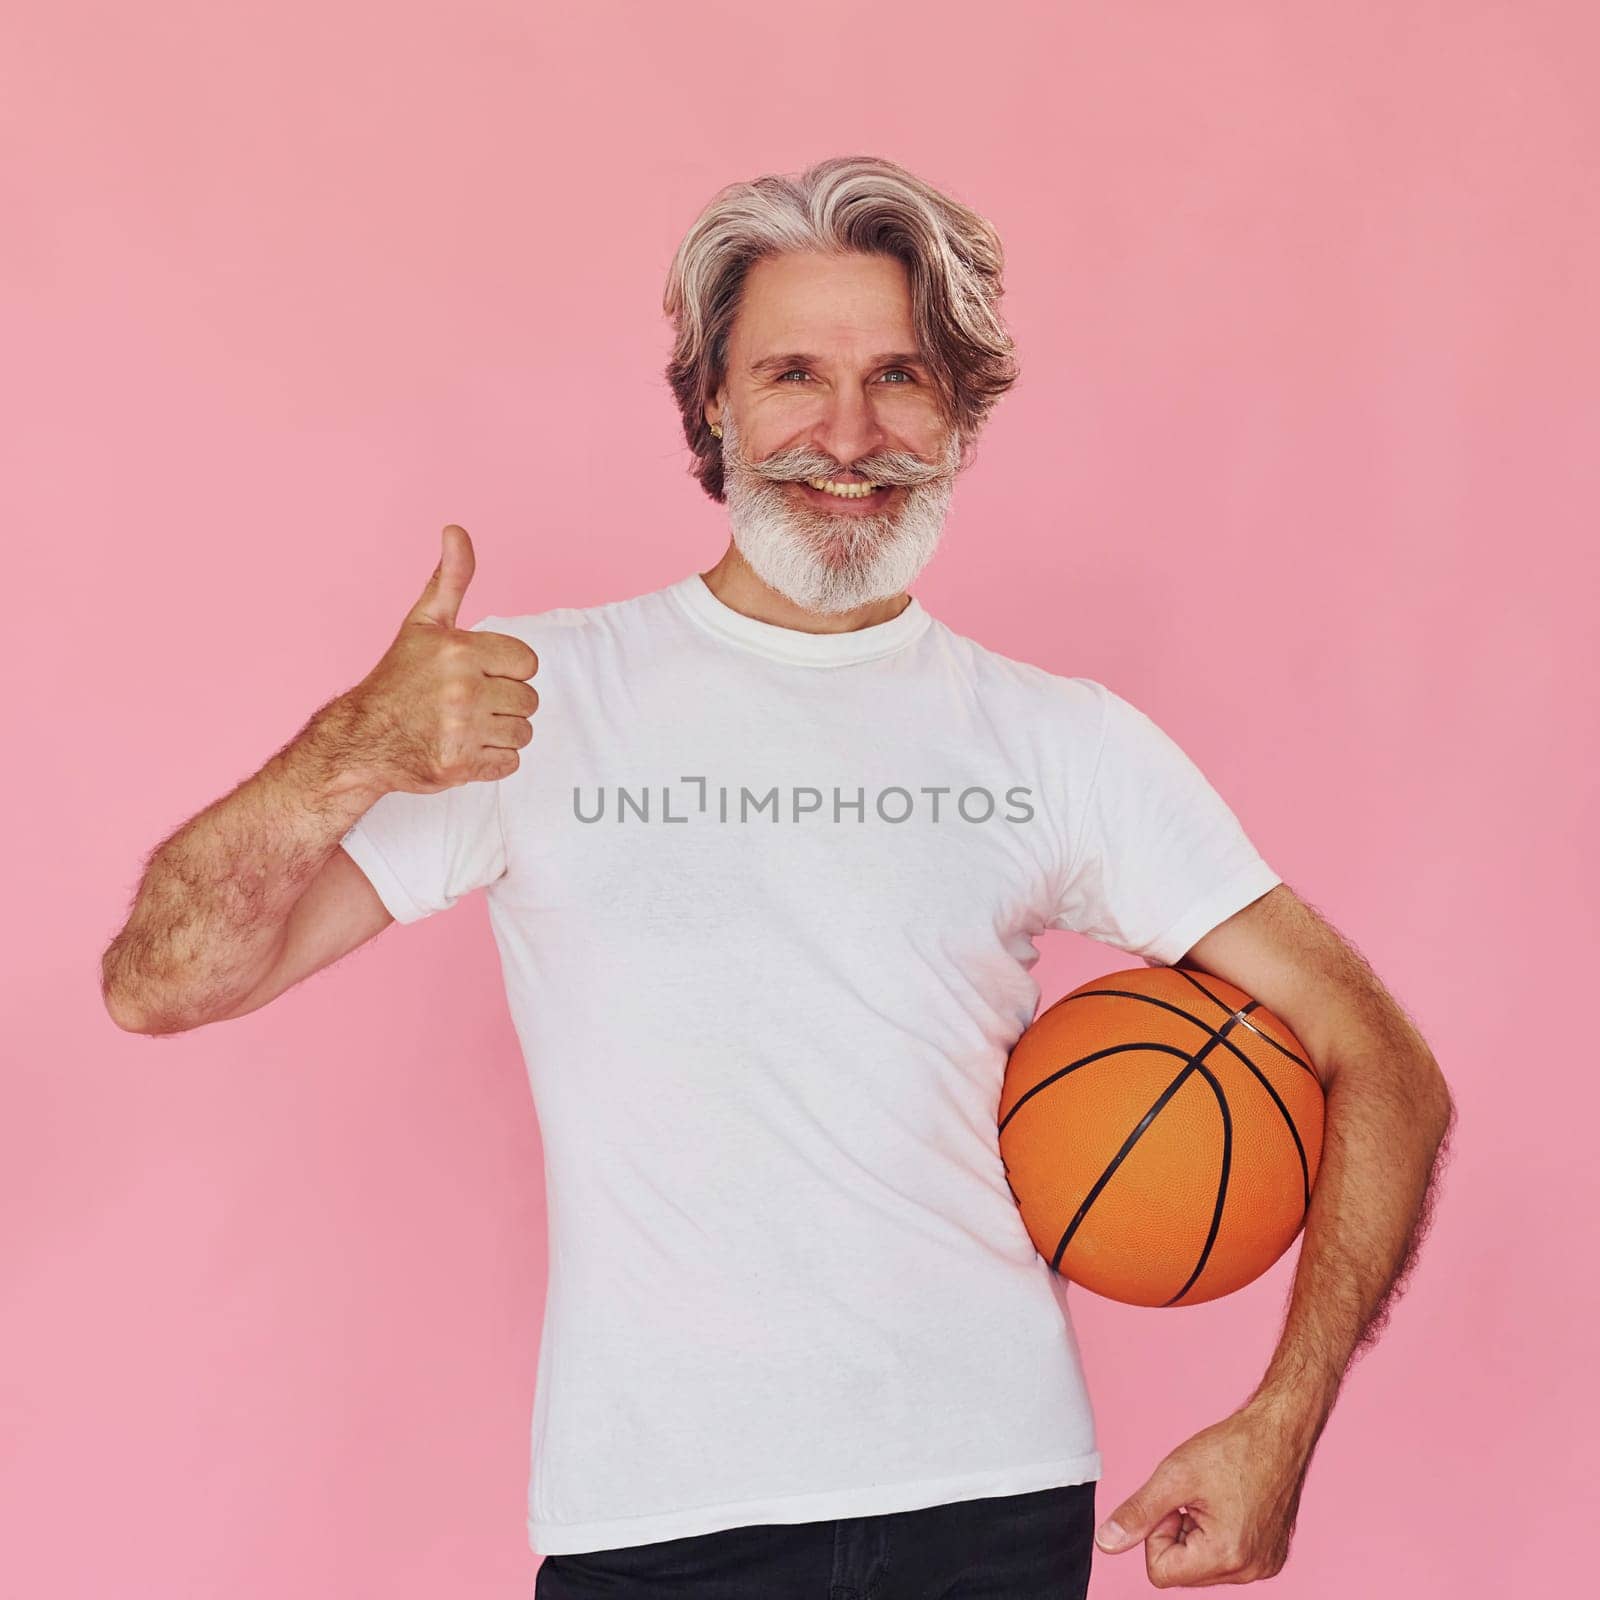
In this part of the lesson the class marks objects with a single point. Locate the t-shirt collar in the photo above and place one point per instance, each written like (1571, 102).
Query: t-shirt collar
(791, 644)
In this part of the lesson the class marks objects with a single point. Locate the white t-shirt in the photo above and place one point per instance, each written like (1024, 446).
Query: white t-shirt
(766, 903)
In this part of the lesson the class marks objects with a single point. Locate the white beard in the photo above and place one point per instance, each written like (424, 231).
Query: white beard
(825, 563)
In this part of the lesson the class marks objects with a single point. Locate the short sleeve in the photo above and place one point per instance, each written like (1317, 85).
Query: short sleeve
(1158, 858)
(422, 852)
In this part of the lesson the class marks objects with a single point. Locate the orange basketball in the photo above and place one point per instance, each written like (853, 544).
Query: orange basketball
(1160, 1132)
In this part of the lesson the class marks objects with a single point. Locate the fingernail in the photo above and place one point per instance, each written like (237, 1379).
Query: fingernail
(1108, 1535)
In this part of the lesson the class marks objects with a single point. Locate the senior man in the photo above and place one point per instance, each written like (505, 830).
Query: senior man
(765, 892)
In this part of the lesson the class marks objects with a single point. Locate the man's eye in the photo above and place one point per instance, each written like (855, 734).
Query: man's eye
(801, 372)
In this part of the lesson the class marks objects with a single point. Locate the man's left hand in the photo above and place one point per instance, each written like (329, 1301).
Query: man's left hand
(1220, 1508)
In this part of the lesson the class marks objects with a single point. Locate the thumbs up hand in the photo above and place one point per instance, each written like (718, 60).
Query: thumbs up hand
(440, 601)
(445, 705)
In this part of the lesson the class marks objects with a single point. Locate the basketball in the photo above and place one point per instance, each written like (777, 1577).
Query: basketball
(1160, 1132)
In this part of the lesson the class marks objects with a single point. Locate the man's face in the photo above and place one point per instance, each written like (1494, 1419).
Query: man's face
(824, 382)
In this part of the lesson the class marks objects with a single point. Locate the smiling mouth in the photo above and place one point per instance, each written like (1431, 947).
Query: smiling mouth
(866, 498)
(845, 491)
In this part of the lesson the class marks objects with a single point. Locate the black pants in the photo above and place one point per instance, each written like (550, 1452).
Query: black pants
(1032, 1546)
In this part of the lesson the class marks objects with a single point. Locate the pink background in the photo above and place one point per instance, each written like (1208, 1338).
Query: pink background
(1302, 462)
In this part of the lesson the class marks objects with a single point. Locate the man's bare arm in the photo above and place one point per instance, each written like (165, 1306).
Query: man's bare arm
(338, 911)
(1385, 1139)
(1221, 1507)
(210, 918)
(254, 894)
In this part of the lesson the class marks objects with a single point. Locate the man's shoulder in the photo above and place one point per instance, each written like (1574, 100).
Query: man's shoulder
(604, 618)
(994, 672)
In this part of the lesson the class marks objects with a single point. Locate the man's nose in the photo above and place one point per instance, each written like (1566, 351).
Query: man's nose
(848, 430)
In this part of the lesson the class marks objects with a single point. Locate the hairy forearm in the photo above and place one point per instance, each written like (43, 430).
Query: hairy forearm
(211, 906)
(1385, 1137)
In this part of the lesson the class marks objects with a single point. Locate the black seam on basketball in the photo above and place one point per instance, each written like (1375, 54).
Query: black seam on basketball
(1115, 1162)
(1143, 999)
(1199, 1022)
(1083, 1061)
(1283, 1049)
(1255, 1071)
(1289, 1123)
(1192, 1062)
(1215, 999)
(1266, 1083)
(1222, 1182)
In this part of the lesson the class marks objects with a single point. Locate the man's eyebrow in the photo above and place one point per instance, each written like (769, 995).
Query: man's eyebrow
(798, 358)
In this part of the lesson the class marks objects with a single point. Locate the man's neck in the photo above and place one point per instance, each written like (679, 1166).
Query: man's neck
(733, 582)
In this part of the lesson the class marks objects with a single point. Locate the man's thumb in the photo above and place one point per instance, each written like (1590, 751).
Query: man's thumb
(1130, 1522)
(441, 600)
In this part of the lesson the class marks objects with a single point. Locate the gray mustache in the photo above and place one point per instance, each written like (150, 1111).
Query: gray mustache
(893, 471)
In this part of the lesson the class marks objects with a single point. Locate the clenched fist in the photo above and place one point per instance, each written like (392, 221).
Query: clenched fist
(445, 705)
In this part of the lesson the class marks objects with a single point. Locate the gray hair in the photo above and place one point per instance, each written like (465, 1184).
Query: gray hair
(863, 204)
